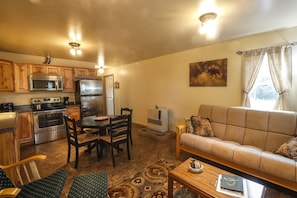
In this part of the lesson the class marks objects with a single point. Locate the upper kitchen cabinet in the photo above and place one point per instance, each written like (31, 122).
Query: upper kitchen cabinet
(21, 72)
(68, 79)
(45, 69)
(6, 76)
(92, 72)
(85, 72)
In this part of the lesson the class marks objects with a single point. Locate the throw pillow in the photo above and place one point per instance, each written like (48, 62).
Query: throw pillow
(202, 126)
(189, 125)
(288, 149)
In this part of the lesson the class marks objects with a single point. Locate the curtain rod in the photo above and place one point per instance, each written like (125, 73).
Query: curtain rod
(289, 44)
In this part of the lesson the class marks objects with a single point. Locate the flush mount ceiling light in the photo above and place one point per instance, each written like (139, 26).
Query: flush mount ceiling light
(208, 25)
(101, 70)
(74, 48)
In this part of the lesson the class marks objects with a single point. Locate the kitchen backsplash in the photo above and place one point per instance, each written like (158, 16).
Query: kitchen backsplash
(24, 98)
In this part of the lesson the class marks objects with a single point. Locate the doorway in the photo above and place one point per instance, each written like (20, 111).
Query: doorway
(109, 94)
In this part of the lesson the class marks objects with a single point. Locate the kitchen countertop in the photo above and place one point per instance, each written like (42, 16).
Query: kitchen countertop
(8, 121)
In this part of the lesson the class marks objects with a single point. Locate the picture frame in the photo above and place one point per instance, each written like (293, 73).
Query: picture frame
(208, 73)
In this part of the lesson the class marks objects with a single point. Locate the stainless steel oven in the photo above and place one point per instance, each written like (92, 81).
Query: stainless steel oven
(49, 125)
(48, 119)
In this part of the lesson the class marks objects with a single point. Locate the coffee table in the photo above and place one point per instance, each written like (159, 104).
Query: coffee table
(204, 183)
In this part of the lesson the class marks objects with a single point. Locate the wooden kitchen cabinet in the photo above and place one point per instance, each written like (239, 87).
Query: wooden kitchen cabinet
(74, 112)
(68, 79)
(6, 76)
(21, 81)
(92, 73)
(45, 69)
(80, 72)
(52, 70)
(85, 72)
(25, 127)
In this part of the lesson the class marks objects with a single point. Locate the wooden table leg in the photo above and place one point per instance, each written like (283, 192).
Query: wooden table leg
(170, 186)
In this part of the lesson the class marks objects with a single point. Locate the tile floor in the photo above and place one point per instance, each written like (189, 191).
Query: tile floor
(144, 151)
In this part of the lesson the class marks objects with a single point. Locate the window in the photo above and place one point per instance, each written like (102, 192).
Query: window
(263, 94)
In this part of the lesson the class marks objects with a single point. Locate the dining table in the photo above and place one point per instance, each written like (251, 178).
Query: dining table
(99, 122)
(95, 122)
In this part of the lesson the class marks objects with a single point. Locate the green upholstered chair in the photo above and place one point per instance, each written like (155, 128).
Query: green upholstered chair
(29, 182)
(90, 185)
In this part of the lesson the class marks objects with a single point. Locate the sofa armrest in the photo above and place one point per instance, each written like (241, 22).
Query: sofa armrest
(181, 128)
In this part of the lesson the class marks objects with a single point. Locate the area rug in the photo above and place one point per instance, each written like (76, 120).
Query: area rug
(156, 135)
(151, 182)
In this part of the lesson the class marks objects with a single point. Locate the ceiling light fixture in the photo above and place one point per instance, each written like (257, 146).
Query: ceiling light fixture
(74, 48)
(100, 64)
(208, 25)
(101, 70)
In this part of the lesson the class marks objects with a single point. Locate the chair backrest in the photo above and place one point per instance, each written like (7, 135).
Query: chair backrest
(71, 129)
(125, 110)
(24, 171)
(119, 126)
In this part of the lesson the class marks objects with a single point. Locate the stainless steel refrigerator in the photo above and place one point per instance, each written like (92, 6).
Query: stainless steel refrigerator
(89, 94)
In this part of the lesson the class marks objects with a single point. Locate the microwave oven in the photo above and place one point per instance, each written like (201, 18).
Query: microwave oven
(45, 83)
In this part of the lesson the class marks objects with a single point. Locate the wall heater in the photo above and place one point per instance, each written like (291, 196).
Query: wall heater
(157, 120)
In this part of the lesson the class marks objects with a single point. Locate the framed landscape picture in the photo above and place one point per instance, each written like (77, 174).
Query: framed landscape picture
(209, 73)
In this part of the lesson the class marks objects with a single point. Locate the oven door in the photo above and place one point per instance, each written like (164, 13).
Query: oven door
(49, 125)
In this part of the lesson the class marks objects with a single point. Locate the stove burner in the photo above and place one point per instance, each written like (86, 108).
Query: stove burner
(43, 104)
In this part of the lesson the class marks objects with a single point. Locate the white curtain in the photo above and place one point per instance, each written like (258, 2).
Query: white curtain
(251, 63)
(280, 67)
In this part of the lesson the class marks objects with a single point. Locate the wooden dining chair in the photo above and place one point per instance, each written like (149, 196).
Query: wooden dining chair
(128, 111)
(118, 133)
(78, 139)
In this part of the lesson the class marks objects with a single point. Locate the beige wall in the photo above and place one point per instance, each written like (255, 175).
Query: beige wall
(164, 81)
(24, 98)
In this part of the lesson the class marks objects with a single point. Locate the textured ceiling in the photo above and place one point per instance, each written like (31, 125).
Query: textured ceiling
(126, 31)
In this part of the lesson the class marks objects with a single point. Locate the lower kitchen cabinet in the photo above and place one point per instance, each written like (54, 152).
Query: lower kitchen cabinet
(74, 112)
(25, 127)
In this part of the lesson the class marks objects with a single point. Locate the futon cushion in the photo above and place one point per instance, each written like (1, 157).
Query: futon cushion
(48, 187)
(202, 126)
(288, 149)
(5, 181)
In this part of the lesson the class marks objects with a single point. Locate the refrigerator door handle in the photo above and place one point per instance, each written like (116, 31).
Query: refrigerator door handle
(91, 95)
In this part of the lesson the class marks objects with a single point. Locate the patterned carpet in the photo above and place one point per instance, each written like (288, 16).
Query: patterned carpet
(148, 183)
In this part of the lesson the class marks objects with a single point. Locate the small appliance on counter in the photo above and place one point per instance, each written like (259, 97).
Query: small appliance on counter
(66, 100)
(7, 107)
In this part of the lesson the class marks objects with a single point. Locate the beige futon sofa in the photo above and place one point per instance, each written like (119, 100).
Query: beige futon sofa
(245, 140)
